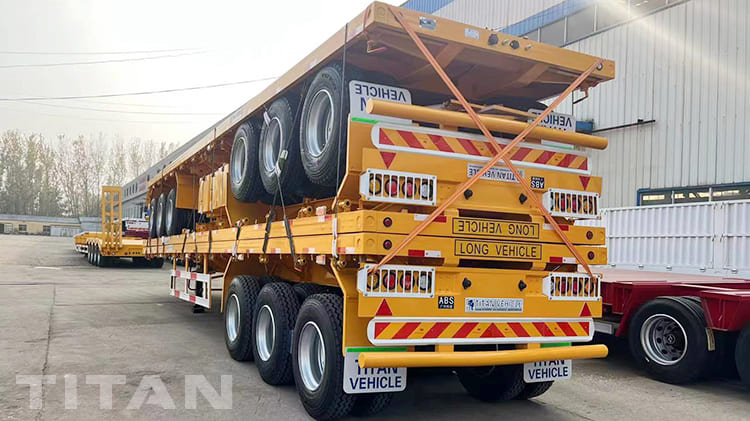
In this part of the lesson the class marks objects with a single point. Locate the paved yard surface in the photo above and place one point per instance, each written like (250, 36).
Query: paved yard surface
(59, 316)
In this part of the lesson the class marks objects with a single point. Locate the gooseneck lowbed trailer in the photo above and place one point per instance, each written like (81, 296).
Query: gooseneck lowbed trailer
(392, 202)
(680, 327)
(118, 238)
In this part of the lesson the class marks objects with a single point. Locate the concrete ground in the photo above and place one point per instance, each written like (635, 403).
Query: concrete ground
(59, 316)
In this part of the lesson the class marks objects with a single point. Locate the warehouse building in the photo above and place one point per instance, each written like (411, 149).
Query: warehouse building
(676, 113)
(40, 225)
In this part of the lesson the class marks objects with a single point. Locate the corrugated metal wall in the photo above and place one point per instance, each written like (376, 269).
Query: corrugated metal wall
(494, 14)
(687, 67)
(702, 238)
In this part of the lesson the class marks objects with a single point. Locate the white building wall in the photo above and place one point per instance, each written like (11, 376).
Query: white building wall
(493, 14)
(686, 67)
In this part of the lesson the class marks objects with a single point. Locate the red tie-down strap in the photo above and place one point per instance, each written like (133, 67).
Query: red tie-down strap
(500, 152)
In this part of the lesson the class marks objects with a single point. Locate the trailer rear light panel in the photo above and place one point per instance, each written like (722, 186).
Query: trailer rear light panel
(398, 187)
(563, 286)
(572, 204)
(397, 281)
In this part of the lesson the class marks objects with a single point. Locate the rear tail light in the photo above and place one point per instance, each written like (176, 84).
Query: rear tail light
(398, 187)
(571, 203)
(397, 281)
(563, 286)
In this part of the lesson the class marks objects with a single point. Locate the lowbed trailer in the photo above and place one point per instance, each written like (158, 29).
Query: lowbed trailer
(679, 327)
(360, 216)
(118, 238)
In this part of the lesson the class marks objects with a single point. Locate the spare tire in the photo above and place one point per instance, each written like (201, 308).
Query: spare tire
(152, 219)
(243, 165)
(323, 127)
(160, 210)
(277, 136)
(175, 219)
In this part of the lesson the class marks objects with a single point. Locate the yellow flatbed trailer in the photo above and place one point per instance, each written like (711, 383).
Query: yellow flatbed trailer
(105, 247)
(363, 213)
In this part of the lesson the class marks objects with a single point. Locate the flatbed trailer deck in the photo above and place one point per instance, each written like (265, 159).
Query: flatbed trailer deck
(352, 213)
(680, 327)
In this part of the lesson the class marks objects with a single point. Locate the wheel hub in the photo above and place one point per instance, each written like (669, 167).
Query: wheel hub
(663, 339)
(233, 318)
(320, 125)
(265, 333)
(311, 356)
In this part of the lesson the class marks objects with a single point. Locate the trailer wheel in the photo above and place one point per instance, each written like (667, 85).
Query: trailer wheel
(238, 311)
(532, 390)
(317, 358)
(368, 404)
(160, 209)
(668, 339)
(276, 136)
(742, 355)
(273, 319)
(152, 219)
(156, 263)
(244, 176)
(321, 124)
(492, 383)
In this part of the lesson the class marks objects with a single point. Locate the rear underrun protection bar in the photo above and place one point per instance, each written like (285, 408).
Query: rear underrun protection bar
(500, 152)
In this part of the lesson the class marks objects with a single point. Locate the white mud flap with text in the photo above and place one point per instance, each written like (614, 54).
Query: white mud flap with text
(371, 380)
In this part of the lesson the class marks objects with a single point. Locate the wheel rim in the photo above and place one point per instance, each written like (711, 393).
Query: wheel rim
(272, 145)
(311, 356)
(320, 123)
(238, 160)
(169, 214)
(663, 339)
(265, 333)
(159, 216)
(233, 318)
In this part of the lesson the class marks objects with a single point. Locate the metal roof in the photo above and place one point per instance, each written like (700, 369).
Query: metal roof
(52, 220)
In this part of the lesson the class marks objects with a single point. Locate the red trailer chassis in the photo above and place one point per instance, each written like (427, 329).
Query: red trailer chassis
(724, 307)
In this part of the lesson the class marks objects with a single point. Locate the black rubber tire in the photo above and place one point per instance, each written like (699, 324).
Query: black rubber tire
(152, 219)
(328, 401)
(532, 390)
(321, 169)
(281, 300)
(97, 256)
(246, 289)
(180, 218)
(697, 359)
(492, 384)
(161, 205)
(306, 289)
(245, 181)
(88, 253)
(742, 355)
(369, 404)
(281, 110)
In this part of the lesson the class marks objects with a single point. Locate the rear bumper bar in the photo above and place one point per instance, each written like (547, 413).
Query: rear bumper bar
(479, 358)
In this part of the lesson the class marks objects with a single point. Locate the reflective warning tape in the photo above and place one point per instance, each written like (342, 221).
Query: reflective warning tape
(389, 330)
(465, 146)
